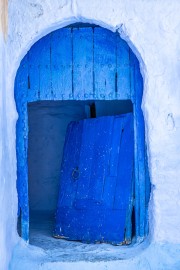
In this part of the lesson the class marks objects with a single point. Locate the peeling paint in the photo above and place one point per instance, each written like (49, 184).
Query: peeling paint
(4, 17)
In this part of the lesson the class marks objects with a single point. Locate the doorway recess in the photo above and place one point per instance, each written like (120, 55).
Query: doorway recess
(93, 72)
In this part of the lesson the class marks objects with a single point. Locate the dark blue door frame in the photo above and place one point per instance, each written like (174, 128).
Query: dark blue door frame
(89, 63)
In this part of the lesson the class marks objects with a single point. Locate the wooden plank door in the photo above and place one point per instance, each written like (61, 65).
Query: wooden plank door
(96, 180)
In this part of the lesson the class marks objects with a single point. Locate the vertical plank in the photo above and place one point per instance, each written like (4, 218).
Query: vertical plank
(104, 64)
(137, 203)
(100, 157)
(83, 63)
(136, 174)
(61, 64)
(132, 60)
(128, 230)
(125, 165)
(44, 69)
(34, 73)
(110, 181)
(70, 163)
(123, 70)
(21, 87)
(85, 163)
(140, 154)
(116, 137)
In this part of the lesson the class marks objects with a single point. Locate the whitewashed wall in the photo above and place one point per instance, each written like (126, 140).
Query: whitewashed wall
(152, 29)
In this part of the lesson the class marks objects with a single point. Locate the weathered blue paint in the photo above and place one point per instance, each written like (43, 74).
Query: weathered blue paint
(123, 70)
(45, 86)
(21, 86)
(104, 64)
(62, 64)
(81, 64)
(33, 75)
(94, 200)
(141, 153)
(142, 182)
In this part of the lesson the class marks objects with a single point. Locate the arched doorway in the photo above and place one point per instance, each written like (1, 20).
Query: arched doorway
(84, 63)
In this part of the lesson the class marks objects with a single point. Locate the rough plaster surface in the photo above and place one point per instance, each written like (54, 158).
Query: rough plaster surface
(152, 29)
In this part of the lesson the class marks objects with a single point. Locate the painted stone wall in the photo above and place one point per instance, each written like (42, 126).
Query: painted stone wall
(152, 29)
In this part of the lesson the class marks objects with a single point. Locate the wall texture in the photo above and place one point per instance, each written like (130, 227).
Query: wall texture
(152, 29)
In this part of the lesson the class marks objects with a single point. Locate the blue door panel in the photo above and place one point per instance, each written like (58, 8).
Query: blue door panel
(93, 206)
(100, 157)
(115, 139)
(69, 168)
(125, 165)
(86, 161)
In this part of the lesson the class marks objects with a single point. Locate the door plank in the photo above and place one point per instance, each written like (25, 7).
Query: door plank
(44, 68)
(125, 165)
(61, 64)
(123, 70)
(86, 160)
(104, 64)
(83, 63)
(70, 162)
(34, 73)
(100, 157)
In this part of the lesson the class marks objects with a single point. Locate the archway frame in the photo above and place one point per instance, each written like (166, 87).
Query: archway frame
(142, 186)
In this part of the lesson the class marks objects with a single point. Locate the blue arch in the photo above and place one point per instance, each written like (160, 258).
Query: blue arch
(81, 63)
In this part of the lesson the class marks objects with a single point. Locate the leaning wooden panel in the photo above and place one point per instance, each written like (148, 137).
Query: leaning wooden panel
(84, 211)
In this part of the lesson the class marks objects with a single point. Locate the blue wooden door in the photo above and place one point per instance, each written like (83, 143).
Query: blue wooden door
(96, 180)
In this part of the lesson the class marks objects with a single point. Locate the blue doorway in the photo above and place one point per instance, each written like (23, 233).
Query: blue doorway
(82, 64)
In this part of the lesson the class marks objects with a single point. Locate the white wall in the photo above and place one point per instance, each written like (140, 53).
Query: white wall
(152, 29)
(8, 198)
